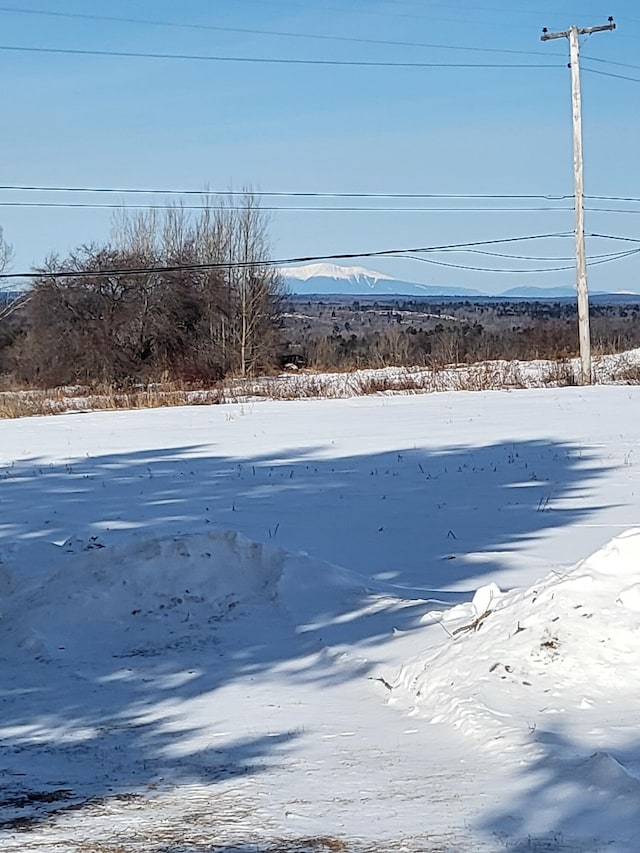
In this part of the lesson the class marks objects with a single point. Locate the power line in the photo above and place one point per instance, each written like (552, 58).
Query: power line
(395, 14)
(612, 198)
(324, 8)
(68, 205)
(611, 74)
(277, 262)
(539, 258)
(610, 237)
(251, 31)
(285, 194)
(610, 210)
(527, 271)
(609, 62)
(204, 193)
(130, 54)
(484, 269)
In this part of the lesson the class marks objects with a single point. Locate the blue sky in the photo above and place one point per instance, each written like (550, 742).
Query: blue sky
(78, 120)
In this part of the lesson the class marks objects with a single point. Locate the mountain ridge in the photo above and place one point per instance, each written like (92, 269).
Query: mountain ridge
(328, 279)
(333, 279)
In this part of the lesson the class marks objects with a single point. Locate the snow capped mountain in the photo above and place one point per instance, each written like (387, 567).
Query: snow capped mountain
(334, 271)
(326, 278)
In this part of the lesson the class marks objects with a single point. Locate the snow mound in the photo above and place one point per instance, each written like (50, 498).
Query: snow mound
(146, 595)
(508, 662)
(138, 596)
(603, 772)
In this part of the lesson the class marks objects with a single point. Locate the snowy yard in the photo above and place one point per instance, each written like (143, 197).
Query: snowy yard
(256, 627)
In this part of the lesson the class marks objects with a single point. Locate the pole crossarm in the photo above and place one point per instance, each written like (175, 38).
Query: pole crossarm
(585, 31)
(549, 36)
(582, 31)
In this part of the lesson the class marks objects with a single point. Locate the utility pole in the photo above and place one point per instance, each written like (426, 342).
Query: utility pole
(573, 34)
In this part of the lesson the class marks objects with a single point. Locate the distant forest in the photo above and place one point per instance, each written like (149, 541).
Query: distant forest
(342, 333)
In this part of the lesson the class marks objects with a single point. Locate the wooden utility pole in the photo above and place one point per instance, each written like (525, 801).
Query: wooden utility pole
(573, 34)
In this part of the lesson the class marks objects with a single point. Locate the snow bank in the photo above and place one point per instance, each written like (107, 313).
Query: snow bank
(569, 645)
(144, 594)
(139, 596)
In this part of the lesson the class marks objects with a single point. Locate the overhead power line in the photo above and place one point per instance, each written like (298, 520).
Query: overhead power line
(69, 205)
(593, 262)
(609, 62)
(539, 258)
(208, 193)
(261, 32)
(278, 262)
(612, 198)
(395, 14)
(611, 237)
(284, 194)
(611, 74)
(131, 54)
(610, 210)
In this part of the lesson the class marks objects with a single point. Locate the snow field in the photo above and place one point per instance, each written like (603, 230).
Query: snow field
(237, 628)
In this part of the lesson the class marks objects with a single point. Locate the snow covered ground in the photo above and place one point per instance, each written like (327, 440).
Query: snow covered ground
(365, 624)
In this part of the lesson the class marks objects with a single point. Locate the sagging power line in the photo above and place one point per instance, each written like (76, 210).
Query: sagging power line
(288, 194)
(253, 31)
(467, 267)
(286, 208)
(309, 194)
(260, 60)
(278, 262)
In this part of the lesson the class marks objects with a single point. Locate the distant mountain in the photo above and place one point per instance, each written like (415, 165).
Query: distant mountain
(532, 292)
(326, 279)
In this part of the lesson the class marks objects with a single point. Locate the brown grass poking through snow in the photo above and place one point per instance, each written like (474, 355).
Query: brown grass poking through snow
(484, 376)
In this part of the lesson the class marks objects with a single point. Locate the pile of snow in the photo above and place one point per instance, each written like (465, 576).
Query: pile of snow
(145, 595)
(140, 596)
(563, 651)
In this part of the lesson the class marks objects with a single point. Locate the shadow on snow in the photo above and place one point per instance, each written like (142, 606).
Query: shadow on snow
(573, 798)
(406, 518)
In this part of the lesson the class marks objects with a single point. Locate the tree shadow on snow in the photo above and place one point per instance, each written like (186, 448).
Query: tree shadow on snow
(107, 725)
(400, 516)
(572, 798)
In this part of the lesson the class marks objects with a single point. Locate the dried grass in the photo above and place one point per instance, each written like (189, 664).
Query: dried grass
(21, 404)
(626, 372)
(484, 376)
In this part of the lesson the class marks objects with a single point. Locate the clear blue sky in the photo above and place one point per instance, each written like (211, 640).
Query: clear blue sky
(127, 122)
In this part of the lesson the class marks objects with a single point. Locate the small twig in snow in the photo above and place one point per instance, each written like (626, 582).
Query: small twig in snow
(381, 680)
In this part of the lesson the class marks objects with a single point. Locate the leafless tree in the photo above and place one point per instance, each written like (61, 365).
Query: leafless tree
(6, 253)
(172, 295)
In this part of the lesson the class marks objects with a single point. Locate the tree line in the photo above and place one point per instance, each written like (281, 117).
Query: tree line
(145, 307)
(379, 338)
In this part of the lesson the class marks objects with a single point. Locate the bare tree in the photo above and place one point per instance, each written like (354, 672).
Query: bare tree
(240, 298)
(256, 288)
(172, 295)
(6, 253)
